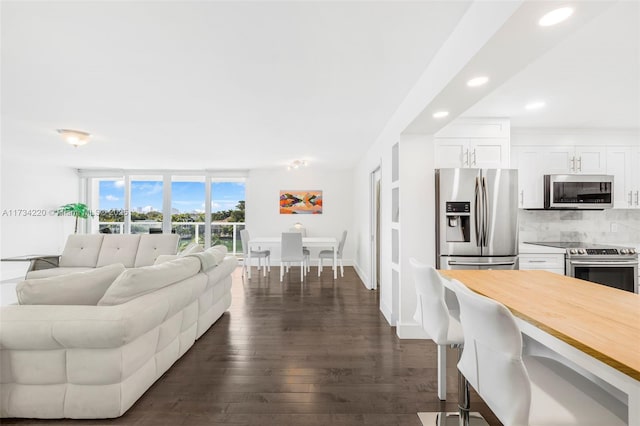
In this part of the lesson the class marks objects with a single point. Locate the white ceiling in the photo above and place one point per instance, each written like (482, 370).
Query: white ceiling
(210, 85)
(242, 85)
(589, 80)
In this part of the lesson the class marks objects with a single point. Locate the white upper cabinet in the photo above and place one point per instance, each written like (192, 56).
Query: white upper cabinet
(575, 160)
(475, 143)
(620, 165)
(529, 160)
(536, 153)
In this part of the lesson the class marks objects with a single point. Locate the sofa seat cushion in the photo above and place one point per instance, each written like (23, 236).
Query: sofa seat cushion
(81, 250)
(119, 249)
(136, 282)
(54, 272)
(78, 288)
(153, 245)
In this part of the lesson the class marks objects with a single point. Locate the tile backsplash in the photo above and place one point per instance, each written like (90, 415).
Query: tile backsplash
(612, 226)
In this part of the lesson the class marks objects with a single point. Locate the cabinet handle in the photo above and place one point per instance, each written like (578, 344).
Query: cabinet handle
(522, 198)
(630, 198)
(465, 160)
(536, 261)
(637, 197)
(573, 164)
(474, 156)
(579, 164)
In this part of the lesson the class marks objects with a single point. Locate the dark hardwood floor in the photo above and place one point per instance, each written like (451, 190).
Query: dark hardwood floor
(317, 353)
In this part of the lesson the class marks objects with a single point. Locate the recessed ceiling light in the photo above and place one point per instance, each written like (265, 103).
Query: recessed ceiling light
(440, 114)
(477, 81)
(534, 105)
(555, 16)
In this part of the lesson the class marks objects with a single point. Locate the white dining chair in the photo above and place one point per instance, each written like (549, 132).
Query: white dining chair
(258, 254)
(525, 390)
(291, 251)
(328, 254)
(438, 320)
(307, 253)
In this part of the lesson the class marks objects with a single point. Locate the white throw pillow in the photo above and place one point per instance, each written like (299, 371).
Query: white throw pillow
(140, 281)
(76, 288)
(192, 248)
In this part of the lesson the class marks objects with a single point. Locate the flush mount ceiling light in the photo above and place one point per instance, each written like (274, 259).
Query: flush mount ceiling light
(440, 114)
(296, 164)
(555, 16)
(74, 137)
(534, 105)
(477, 81)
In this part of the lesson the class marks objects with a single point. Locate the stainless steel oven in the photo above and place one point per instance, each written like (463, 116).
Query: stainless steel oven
(612, 267)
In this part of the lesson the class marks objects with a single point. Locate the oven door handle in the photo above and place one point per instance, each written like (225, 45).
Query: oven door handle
(607, 263)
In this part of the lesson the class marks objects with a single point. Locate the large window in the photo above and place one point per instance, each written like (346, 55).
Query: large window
(146, 204)
(227, 214)
(188, 209)
(110, 205)
(156, 203)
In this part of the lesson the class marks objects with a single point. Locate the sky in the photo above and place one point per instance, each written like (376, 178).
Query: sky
(186, 197)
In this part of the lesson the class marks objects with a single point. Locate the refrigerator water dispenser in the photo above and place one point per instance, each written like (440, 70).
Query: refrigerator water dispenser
(458, 222)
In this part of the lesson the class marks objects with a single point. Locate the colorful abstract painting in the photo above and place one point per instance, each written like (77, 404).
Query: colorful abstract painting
(300, 202)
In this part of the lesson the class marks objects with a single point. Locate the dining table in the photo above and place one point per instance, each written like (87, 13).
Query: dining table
(260, 243)
(593, 326)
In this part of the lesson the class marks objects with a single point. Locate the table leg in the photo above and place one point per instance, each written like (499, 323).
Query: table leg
(634, 407)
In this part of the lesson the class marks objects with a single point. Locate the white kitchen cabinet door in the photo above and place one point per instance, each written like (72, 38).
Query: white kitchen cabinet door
(591, 160)
(489, 153)
(558, 160)
(527, 159)
(636, 179)
(620, 165)
(451, 153)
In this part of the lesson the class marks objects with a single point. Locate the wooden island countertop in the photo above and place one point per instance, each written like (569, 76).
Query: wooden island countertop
(598, 320)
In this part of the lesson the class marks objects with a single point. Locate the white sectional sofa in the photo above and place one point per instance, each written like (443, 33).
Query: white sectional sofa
(84, 361)
(83, 252)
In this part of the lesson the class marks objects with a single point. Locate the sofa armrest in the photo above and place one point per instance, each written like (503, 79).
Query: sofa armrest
(44, 262)
(29, 327)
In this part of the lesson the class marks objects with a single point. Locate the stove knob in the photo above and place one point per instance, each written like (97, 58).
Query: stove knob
(632, 251)
(625, 251)
(573, 251)
(581, 251)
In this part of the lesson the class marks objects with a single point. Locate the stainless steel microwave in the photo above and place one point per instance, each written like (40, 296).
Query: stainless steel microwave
(578, 191)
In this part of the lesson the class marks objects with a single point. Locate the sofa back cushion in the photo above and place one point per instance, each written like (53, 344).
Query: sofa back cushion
(119, 249)
(76, 288)
(153, 245)
(139, 281)
(81, 250)
(191, 248)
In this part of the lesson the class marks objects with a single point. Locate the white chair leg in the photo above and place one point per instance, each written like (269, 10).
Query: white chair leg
(268, 260)
(281, 271)
(319, 265)
(442, 372)
(302, 268)
(264, 267)
(341, 268)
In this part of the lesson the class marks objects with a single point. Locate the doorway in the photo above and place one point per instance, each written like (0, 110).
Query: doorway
(374, 227)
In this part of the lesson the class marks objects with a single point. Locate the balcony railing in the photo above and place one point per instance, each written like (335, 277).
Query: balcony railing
(225, 233)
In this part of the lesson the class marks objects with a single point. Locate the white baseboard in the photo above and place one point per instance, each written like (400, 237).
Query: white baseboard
(386, 312)
(410, 330)
(363, 277)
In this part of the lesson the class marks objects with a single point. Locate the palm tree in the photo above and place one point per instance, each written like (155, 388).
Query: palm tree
(77, 210)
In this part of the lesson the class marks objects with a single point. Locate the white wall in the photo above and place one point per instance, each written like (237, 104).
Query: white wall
(263, 216)
(479, 24)
(38, 189)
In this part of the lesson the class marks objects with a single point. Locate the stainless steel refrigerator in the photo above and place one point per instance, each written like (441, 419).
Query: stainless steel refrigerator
(477, 219)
